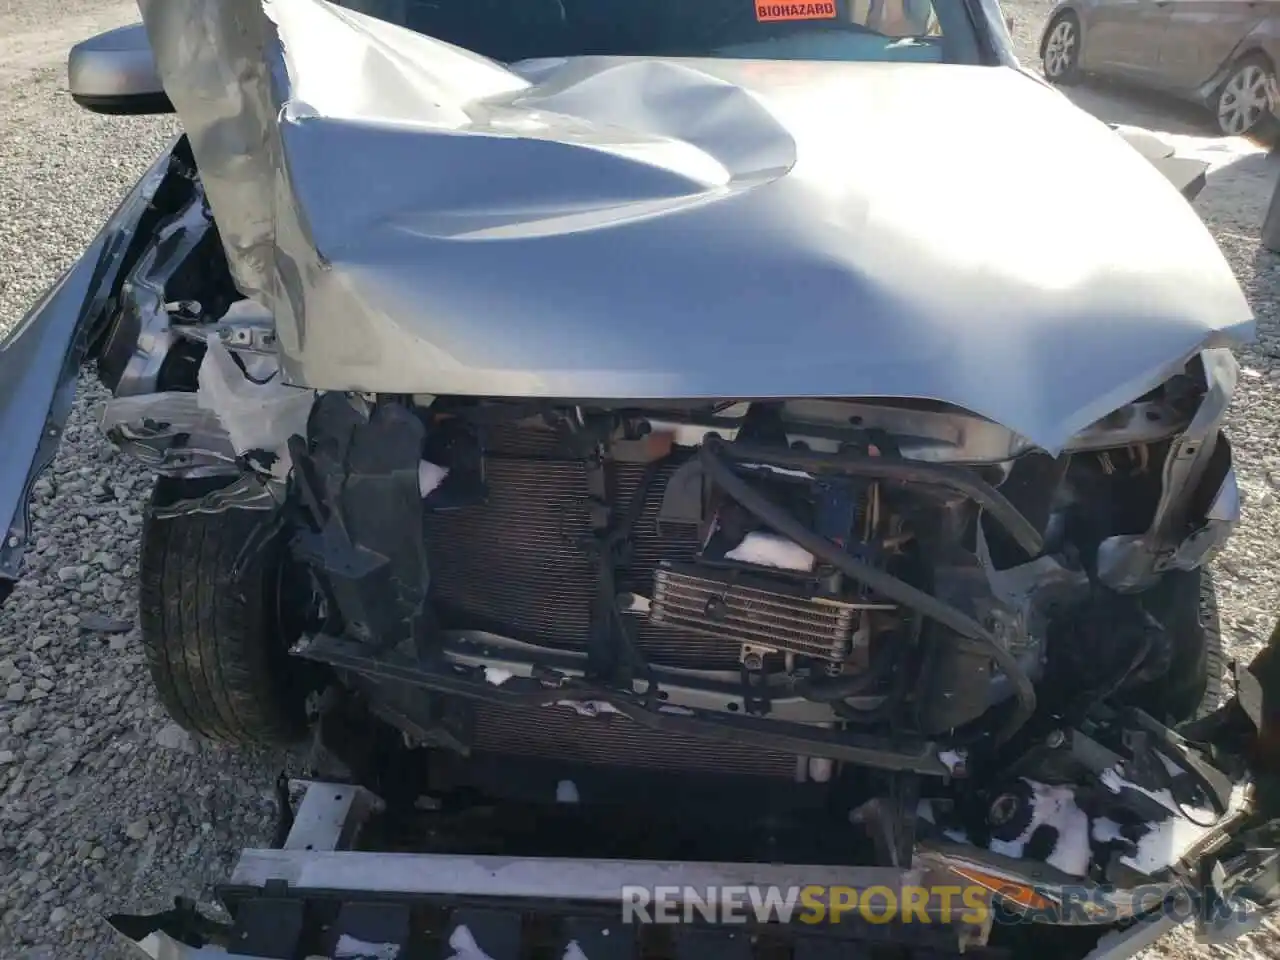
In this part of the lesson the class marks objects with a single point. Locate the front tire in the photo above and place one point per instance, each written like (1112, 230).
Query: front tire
(1186, 603)
(1060, 50)
(1242, 104)
(217, 649)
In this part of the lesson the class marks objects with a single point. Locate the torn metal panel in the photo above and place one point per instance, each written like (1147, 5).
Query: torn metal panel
(647, 225)
(40, 360)
(1176, 540)
(171, 434)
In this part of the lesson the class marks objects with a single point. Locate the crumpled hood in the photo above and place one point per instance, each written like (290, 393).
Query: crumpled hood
(422, 220)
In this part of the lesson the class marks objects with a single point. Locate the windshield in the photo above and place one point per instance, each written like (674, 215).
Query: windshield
(852, 30)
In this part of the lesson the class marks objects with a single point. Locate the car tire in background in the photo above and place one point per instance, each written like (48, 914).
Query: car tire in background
(1187, 604)
(1242, 104)
(217, 645)
(1060, 48)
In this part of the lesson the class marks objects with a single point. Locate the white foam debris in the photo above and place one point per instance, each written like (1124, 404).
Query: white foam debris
(351, 948)
(951, 759)
(771, 550)
(1105, 830)
(1168, 841)
(497, 675)
(464, 945)
(567, 792)
(1054, 807)
(256, 416)
(1115, 781)
(430, 476)
(573, 952)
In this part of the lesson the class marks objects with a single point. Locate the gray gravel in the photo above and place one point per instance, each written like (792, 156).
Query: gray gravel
(104, 803)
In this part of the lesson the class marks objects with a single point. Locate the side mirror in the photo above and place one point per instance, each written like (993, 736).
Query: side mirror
(115, 73)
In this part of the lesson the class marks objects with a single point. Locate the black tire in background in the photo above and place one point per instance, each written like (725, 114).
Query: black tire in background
(1186, 603)
(217, 650)
(1060, 49)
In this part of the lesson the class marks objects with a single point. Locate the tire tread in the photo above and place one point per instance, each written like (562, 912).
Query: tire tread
(208, 642)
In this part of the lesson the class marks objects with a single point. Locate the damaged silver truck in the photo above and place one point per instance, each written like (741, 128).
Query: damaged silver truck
(650, 443)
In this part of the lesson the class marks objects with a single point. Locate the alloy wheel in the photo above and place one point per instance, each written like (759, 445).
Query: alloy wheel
(1245, 99)
(1060, 49)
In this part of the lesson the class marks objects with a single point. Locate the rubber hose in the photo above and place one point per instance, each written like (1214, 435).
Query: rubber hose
(781, 521)
(963, 481)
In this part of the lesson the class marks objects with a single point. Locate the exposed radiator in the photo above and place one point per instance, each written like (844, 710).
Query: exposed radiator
(514, 565)
(614, 740)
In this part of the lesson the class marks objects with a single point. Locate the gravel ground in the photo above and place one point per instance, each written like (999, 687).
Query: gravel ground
(104, 804)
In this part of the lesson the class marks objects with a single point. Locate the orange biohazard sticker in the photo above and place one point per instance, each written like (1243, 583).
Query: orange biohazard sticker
(813, 10)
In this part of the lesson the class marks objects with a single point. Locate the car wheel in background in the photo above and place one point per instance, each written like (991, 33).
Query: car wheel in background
(1060, 49)
(1243, 103)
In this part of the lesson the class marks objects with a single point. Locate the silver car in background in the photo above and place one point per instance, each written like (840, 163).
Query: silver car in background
(1220, 54)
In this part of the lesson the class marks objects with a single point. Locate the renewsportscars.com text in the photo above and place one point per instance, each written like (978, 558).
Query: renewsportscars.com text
(944, 904)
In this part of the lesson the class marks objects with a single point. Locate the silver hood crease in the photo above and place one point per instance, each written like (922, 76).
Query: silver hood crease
(423, 220)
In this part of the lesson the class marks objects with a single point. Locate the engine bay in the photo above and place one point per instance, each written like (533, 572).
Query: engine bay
(754, 577)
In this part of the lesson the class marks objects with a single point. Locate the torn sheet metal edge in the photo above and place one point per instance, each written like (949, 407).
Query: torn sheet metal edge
(142, 294)
(1130, 563)
(38, 369)
(1187, 174)
(171, 434)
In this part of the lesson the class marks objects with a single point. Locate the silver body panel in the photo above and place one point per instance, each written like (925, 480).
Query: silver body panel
(422, 220)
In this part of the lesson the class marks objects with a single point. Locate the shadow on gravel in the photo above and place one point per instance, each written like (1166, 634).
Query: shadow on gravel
(1117, 103)
(1113, 101)
(1239, 185)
